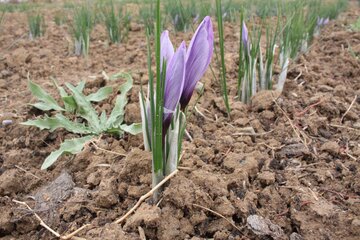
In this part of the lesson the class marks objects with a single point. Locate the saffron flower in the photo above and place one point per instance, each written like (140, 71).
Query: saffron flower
(175, 76)
(322, 21)
(198, 57)
(245, 36)
(184, 68)
(326, 21)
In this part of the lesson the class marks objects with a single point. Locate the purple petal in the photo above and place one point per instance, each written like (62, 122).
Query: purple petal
(174, 84)
(326, 21)
(197, 58)
(196, 18)
(245, 35)
(320, 21)
(167, 48)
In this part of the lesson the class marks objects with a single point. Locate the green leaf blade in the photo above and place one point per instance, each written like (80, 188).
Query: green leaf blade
(46, 101)
(70, 146)
(59, 121)
(100, 95)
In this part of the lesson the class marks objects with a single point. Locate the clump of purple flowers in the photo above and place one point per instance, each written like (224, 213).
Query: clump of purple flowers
(183, 69)
(321, 22)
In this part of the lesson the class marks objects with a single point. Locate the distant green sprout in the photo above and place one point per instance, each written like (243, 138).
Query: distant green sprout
(147, 17)
(266, 63)
(18, 7)
(222, 56)
(2, 17)
(356, 25)
(59, 18)
(181, 14)
(36, 25)
(81, 118)
(230, 11)
(69, 5)
(117, 23)
(265, 9)
(203, 9)
(248, 58)
(83, 22)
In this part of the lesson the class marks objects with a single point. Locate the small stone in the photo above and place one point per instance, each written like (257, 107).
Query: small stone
(6, 226)
(264, 100)
(224, 206)
(296, 236)
(269, 115)
(264, 227)
(340, 90)
(266, 178)
(132, 113)
(3, 84)
(44, 52)
(241, 122)
(221, 235)
(331, 147)
(106, 199)
(355, 222)
(134, 27)
(6, 122)
(355, 226)
(94, 178)
(5, 73)
(325, 88)
(147, 215)
(10, 182)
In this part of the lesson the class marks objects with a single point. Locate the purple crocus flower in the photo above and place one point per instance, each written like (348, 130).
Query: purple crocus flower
(198, 58)
(184, 68)
(174, 83)
(326, 21)
(245, 36)
(167, 48)
(196, 18)
(320, 22)
(176, 19)
(174, 80)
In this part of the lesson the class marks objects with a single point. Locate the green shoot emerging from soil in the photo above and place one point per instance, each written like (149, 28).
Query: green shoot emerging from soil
(356, 25)
(116, 22)
(59, 18)
(81, 118)
(222, 55)
(36, 25)
(83, 21)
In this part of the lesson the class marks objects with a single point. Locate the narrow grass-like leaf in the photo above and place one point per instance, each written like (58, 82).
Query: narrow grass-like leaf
(222, 55)
(36, 26)
(70, 146)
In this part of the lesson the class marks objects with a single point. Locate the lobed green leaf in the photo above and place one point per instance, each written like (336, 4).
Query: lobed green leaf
(59, 121)
(70, 146)
(46, 101)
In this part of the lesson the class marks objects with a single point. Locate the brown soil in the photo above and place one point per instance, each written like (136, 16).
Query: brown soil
(297, 177)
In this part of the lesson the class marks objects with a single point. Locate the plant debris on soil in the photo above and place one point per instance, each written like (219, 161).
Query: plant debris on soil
(285, 167)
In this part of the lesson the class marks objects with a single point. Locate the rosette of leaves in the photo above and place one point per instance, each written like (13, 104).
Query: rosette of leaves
(86, 122)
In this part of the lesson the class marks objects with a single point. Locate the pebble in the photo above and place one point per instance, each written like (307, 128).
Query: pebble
(6, 122)
(331, 147)
(266, 178)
